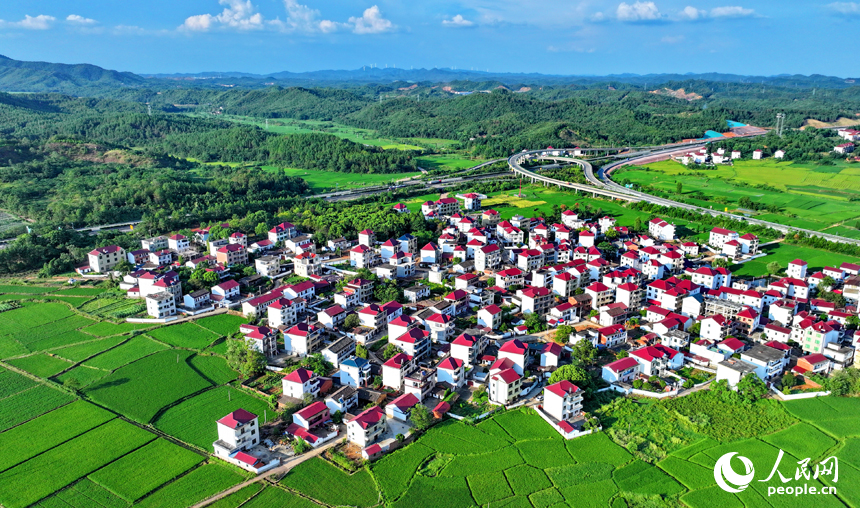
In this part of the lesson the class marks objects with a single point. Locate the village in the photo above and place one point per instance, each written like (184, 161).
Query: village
(491, 314)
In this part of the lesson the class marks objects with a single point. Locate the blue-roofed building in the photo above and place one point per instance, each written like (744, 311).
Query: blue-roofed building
(732, 124)
(354, 371)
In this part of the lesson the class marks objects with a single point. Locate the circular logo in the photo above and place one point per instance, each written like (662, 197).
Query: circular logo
(724, 473)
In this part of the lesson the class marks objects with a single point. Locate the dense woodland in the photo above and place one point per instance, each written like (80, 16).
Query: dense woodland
(95, 154)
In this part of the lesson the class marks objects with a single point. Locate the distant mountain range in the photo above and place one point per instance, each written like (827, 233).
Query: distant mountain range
(86, 79)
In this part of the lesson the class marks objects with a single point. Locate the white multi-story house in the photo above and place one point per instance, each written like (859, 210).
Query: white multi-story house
(282, 312)
(621, 371)
(303, 339)
(282, 232)
(770, 363)
(104, 259)
(468, 349)
(237, 431)
(719, 237)
(160, 305)
(366, 427)
(354, 371)
(505, 383)
(488, 257)
(395, 370)
(299, 383)
(490, 317)
(450, 370)
(562, 400)
(516, 352)
(661, 230)
(362, 256)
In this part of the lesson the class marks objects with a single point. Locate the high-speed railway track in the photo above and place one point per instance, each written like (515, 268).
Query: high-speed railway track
(601, 184)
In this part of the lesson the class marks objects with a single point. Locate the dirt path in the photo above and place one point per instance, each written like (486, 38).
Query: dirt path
(280, 470)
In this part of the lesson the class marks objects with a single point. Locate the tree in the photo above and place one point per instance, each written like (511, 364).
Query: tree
(534, 322)
(210, 278)
(751, 388)
(317, 364)
(300, 446)
(679, 188)
(621, 354)
(573, 373)
(243, 357)
(696, 328)
(612, 234)
(351, 322)
(389, 351)
(585, 351)
(361, 351)
(421, 417)
(562, 334)
(261, 229)
(124, 267)
(853, 322)
(594, 312)
(720, 263)
(788, 380)
(773, 268)
(826, 282)
(637, 224)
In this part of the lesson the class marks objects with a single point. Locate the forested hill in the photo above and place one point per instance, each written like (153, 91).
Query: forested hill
(20, 76)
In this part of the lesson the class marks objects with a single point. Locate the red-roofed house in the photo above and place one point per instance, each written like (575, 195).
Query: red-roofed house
(562, 400)
(237, 431)
(815, 363)
(550, 355)
(490, 316)
(505, 383)
(366, 427)
(612, 336)
(656, 360)
(535, 300)
(104, 259)
(468, 348)
(300, 382)
(400, 407)
(312, 416)
(515, 351)
(450, 370)
(716, 328)
(620, 371)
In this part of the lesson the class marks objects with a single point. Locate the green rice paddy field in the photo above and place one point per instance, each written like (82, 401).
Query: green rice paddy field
(70, 383)
(811, 196)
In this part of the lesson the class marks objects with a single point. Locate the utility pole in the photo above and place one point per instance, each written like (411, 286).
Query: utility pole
(780, 123)
(149, 106)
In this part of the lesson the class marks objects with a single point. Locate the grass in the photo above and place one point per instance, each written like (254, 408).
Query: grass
(145, 469)
(214, 368)
(464, 465)
(237, 498)
(540, 454)
(808, 195)
(324, 482)
(642, 478)
(394, 471)
(24, 290)
(41, 364)
(525, 479)
(64, 464)
(81, 352)
(222, 324)
(30, 403)
(597, 448)
(580, 474)
(48, 431)
(105, 329)
(184, 335)
(801, 440)
(200, 483)
(783, 254)
(524, 424)
(139, 390)
(489, 487)
(82, 375)
(425, 492)
(451, 162)
(327, 181)
(193, 420)
(133, 350)
(271, 497)
(12, 383)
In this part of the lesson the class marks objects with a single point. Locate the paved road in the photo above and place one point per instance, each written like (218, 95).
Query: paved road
(280, 470)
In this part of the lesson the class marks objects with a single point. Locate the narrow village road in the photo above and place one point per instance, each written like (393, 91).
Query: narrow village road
(280, 470)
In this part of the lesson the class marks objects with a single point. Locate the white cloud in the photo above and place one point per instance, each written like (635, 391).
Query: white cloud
(849, 8)
(733, 11)
(129, 30)
(80, 20)
(692, 14)
(457, 21)
(238, 14)
(371, 22)
(301, 18)
(598, 17)
(672, 39)
(639, 11)
(40, 22)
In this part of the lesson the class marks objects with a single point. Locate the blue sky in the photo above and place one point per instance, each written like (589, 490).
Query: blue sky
(547, 36)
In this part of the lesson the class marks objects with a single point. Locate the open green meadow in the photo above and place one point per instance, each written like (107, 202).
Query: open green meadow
(41, 364)
(808, 195)
(222, 324)
(193, 420)
(141, 389)
(132, 350)
(783, 254)
(448, 162)
(329, 181)
(185, 335)
(30, 403)
(200, 483)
